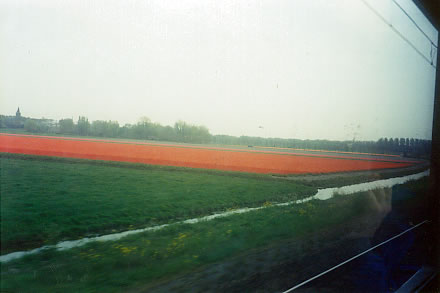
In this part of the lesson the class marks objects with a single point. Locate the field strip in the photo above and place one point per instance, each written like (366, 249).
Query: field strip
(327, 151)
(184, 145)
(228, 149)
(238, 161)
(322, 194)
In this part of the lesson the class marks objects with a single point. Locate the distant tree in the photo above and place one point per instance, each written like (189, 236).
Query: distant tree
(66, 126)
(32, 126)
(192, 133)
(83, 126)
(180, 127)
(402, 145)
(112, 129)
(385, 145)
(126, 131)
(417, 147)
(411, 144)
(396, 145)
(166, 133)
(201, 134)
(2, 121)
(380, 145)
(104, 128)
(142, 130)
(144, 120)
(98, 128)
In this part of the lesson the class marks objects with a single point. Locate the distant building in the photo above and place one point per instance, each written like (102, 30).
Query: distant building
(16, 121)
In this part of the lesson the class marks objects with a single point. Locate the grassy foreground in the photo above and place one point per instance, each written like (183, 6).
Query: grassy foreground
(45, 200)
(149, 257)
(144, 259)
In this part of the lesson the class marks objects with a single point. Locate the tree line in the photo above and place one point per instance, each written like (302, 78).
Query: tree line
(399, 146)
(144, 129)
(182, 131)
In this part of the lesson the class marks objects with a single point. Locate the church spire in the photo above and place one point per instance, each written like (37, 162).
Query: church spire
(18, 114)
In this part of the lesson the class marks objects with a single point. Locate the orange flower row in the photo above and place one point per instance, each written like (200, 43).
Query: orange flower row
(229, 160)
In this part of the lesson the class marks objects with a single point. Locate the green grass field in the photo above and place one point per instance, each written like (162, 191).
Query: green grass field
(145, 259)
(151, 256)
(45, 201)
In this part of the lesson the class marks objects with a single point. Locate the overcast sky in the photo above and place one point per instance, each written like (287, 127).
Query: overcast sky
(301, 69)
